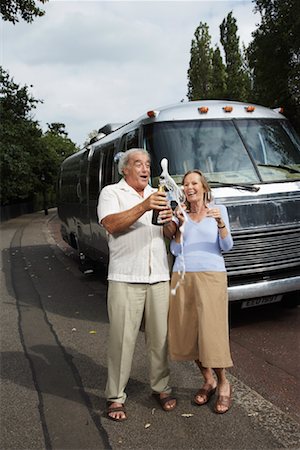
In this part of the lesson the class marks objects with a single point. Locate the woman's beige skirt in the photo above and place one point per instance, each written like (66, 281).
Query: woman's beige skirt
(198, 319)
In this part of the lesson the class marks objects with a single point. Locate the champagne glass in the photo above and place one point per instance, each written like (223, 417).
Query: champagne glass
(209, 200)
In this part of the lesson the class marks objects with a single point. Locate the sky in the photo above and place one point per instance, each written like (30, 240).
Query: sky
(98, 62)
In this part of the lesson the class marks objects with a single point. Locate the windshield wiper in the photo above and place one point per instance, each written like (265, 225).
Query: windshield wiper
(281, 166)
(245, 187)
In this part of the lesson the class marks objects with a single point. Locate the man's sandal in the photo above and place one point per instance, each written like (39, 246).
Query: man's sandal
(207, 393)
(163, 401)
(225, 401)
(113, 409)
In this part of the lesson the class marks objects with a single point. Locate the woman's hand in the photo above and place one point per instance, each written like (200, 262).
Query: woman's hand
(179, 214)
(215, 213)
(157, 200)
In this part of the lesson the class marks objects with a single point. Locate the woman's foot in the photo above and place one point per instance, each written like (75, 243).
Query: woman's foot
(205, 393)
(224, 399)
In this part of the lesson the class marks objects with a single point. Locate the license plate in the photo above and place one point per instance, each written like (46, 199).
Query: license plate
(261, 301)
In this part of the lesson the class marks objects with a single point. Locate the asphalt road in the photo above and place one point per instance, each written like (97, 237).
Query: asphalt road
(53, 363)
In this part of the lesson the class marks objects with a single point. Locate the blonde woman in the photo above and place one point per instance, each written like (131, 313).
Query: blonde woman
(198, 315)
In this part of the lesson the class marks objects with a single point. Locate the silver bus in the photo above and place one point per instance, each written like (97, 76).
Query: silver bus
(251, 157)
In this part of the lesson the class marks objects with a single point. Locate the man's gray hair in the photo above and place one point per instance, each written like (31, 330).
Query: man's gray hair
(124, 158)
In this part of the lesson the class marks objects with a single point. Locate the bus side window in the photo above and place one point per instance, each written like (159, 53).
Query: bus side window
(122, 146)
(132, 139)
(129, 140)
(94, 176)
(107, 165)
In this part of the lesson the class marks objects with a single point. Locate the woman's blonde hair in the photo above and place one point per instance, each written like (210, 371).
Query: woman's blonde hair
(207, 190)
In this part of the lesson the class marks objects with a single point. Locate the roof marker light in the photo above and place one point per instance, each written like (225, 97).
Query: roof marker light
(250, 108)
(278, 110)
(152, 114)
(203, 109)
(227, 108)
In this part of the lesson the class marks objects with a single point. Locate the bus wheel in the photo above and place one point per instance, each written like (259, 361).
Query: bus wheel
(86, 265)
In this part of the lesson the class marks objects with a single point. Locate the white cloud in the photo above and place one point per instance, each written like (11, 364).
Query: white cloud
(98, 62)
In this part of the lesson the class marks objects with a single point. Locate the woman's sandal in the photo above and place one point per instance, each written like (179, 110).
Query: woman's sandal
(203, 392)
(113, 409)
(163, 401)
(223, 400)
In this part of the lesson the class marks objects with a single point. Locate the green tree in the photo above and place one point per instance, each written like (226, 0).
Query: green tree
(29, 159)
(57, 128)
(237, 78)
(19, 140)
(218, 76)
(274, 56)
(14, 10)
(200, 68)
(56, 147)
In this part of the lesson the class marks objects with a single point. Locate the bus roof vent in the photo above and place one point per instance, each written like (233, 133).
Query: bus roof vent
(110, 127)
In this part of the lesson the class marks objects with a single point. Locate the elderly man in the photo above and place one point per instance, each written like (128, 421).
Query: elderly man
(138, 277)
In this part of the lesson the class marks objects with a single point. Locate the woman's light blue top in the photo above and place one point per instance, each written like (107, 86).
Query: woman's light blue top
(202, 245)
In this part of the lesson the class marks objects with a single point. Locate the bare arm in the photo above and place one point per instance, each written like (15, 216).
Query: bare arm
(170, 229)
(118, 222)
(216, 214)
(181, 219)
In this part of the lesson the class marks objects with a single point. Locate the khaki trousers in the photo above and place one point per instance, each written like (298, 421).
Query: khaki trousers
(126, 303)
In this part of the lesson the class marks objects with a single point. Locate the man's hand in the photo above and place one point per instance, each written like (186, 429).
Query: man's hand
(157, 200)
(165, 216)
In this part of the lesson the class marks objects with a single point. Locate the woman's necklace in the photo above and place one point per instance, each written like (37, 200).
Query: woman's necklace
(199, 212)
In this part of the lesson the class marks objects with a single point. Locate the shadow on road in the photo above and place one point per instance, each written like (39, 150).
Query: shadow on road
(60, 292)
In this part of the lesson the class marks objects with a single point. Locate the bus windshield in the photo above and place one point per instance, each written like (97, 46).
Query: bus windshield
(230, 151)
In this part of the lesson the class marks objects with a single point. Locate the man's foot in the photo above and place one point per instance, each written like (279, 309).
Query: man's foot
(224, 399)
(116, 411)
(166, 401)
(204, 394)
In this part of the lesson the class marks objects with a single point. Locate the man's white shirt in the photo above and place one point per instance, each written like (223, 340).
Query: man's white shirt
(137, 255)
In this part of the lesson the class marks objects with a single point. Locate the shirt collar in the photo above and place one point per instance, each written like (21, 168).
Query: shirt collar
(126, 187)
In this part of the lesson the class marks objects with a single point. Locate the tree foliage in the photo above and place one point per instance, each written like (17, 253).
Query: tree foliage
(208, 76)
(200, 69)
(218, 76)
(57, 128)
(237, 78)
(56, 147)
(274, 56)
(29, 159)
(19, 137)
(14, 10)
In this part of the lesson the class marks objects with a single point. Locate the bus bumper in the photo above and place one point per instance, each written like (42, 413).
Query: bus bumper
(263, 288)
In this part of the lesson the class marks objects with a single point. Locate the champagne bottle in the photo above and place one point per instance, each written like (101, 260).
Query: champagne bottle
(155, 217)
